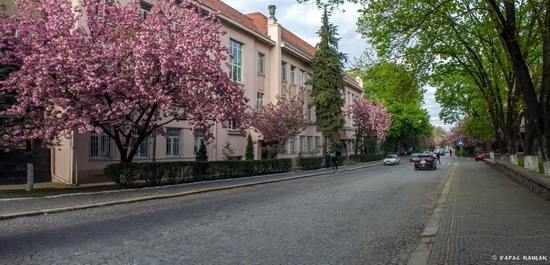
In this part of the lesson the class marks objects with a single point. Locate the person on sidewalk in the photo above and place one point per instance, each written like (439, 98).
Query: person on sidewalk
(439, 157)
(334, 162)
(327, 160)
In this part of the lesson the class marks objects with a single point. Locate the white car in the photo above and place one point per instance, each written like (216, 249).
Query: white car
(391, 160)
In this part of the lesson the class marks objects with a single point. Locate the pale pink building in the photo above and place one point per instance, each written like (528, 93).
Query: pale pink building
(268, 60)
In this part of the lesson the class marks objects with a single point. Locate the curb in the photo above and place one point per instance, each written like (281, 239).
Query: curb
(422, 252)
(165, 196)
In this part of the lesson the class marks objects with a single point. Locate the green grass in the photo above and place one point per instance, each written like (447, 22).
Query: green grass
(521, 163)
(42, 192)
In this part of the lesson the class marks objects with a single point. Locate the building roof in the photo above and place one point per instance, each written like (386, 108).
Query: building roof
(257, 22)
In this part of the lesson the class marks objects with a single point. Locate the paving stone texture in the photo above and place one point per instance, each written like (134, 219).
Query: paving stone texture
(368, 216)
(489, 219)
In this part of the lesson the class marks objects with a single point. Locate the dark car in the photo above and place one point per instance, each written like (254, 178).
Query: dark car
(479, 156)
(426, 161)
(413, 157)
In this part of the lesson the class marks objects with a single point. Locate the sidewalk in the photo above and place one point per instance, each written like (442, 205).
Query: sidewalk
(13, 208)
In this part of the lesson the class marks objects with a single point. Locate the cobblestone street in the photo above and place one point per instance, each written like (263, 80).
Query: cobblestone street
(368, 216)
(489, 219)
(374, 215)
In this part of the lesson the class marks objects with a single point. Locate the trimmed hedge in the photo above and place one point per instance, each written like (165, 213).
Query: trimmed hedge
(367, 157)
(316, 162)
(126, 174)
(310, 162)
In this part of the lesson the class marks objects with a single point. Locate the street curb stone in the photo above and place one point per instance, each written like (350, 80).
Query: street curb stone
(422, 252)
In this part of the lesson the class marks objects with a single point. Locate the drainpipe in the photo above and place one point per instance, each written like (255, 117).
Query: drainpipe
(74, 177)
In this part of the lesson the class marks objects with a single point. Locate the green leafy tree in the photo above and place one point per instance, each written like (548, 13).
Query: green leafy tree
(249, 154)
(202, 154)
(328, 83)
(400, 92)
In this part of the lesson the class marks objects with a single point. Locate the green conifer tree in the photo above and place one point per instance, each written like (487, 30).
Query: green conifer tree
(249, 154)
(328, 83)
(201, 155)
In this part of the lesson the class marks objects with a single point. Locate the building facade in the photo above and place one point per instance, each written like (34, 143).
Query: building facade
(268, 61)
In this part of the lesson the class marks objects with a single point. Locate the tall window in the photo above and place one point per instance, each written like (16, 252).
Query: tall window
(310, 144)
(292, 145)
(259, 100)
(198, 140)
(303, 147)
(173, 142)
(292, 70)
(301, 78)
(100, 146)
(236, 63)
(317, 143)
(308, 85)
(144, 8)
(261, 63)
(283, 70)
(309, 112)
(143, 146)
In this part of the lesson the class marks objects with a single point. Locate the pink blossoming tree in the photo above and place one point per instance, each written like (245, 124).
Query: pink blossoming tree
(371, 120)
(124, 73)
(278, 123)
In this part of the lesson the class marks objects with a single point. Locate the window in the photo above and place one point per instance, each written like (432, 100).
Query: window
(303, 146)
(283, 149)
(173, 142)
(233, 126)
(317, 141)
(292, 70)
(198, 140)
(308, 85)
(236, 63)
(144, 9)
(301, 80)
(100, 146)
(309, 112)
(143, 146)
(261, 63)
(259, 100)
(292, 145)
(283, 70)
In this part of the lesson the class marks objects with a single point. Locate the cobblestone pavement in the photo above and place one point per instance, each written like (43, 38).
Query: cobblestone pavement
(367, 216)
(489, 219)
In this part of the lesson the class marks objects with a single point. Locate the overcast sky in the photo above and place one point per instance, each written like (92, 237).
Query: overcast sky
(304, 20)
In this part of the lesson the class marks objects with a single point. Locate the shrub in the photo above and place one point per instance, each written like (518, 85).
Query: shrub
(126, 174)
(367, 157)
(249, 154)
(201, 154)
(309, 163)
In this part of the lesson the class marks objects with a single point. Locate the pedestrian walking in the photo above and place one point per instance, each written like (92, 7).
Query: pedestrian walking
(334, 162)
(439, 157)
(327, 160)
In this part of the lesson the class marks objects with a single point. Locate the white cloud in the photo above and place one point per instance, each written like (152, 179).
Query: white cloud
(304, 20)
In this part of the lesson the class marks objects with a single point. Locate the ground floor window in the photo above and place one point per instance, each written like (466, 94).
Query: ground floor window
(100, 146)
(173, 142)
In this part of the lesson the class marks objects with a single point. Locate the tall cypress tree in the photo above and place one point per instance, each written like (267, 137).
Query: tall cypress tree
(328, 83)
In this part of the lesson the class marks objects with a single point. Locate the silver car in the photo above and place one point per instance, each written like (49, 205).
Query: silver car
(391, 160)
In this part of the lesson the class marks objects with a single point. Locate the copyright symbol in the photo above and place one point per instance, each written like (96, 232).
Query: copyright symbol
(494, 257)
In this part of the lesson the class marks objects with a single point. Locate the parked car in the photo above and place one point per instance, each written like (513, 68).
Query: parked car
(479, 156)
(426, 161)
(391, 160)
(413, 157)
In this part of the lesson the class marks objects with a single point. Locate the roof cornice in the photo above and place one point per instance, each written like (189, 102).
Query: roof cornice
(239, 26)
